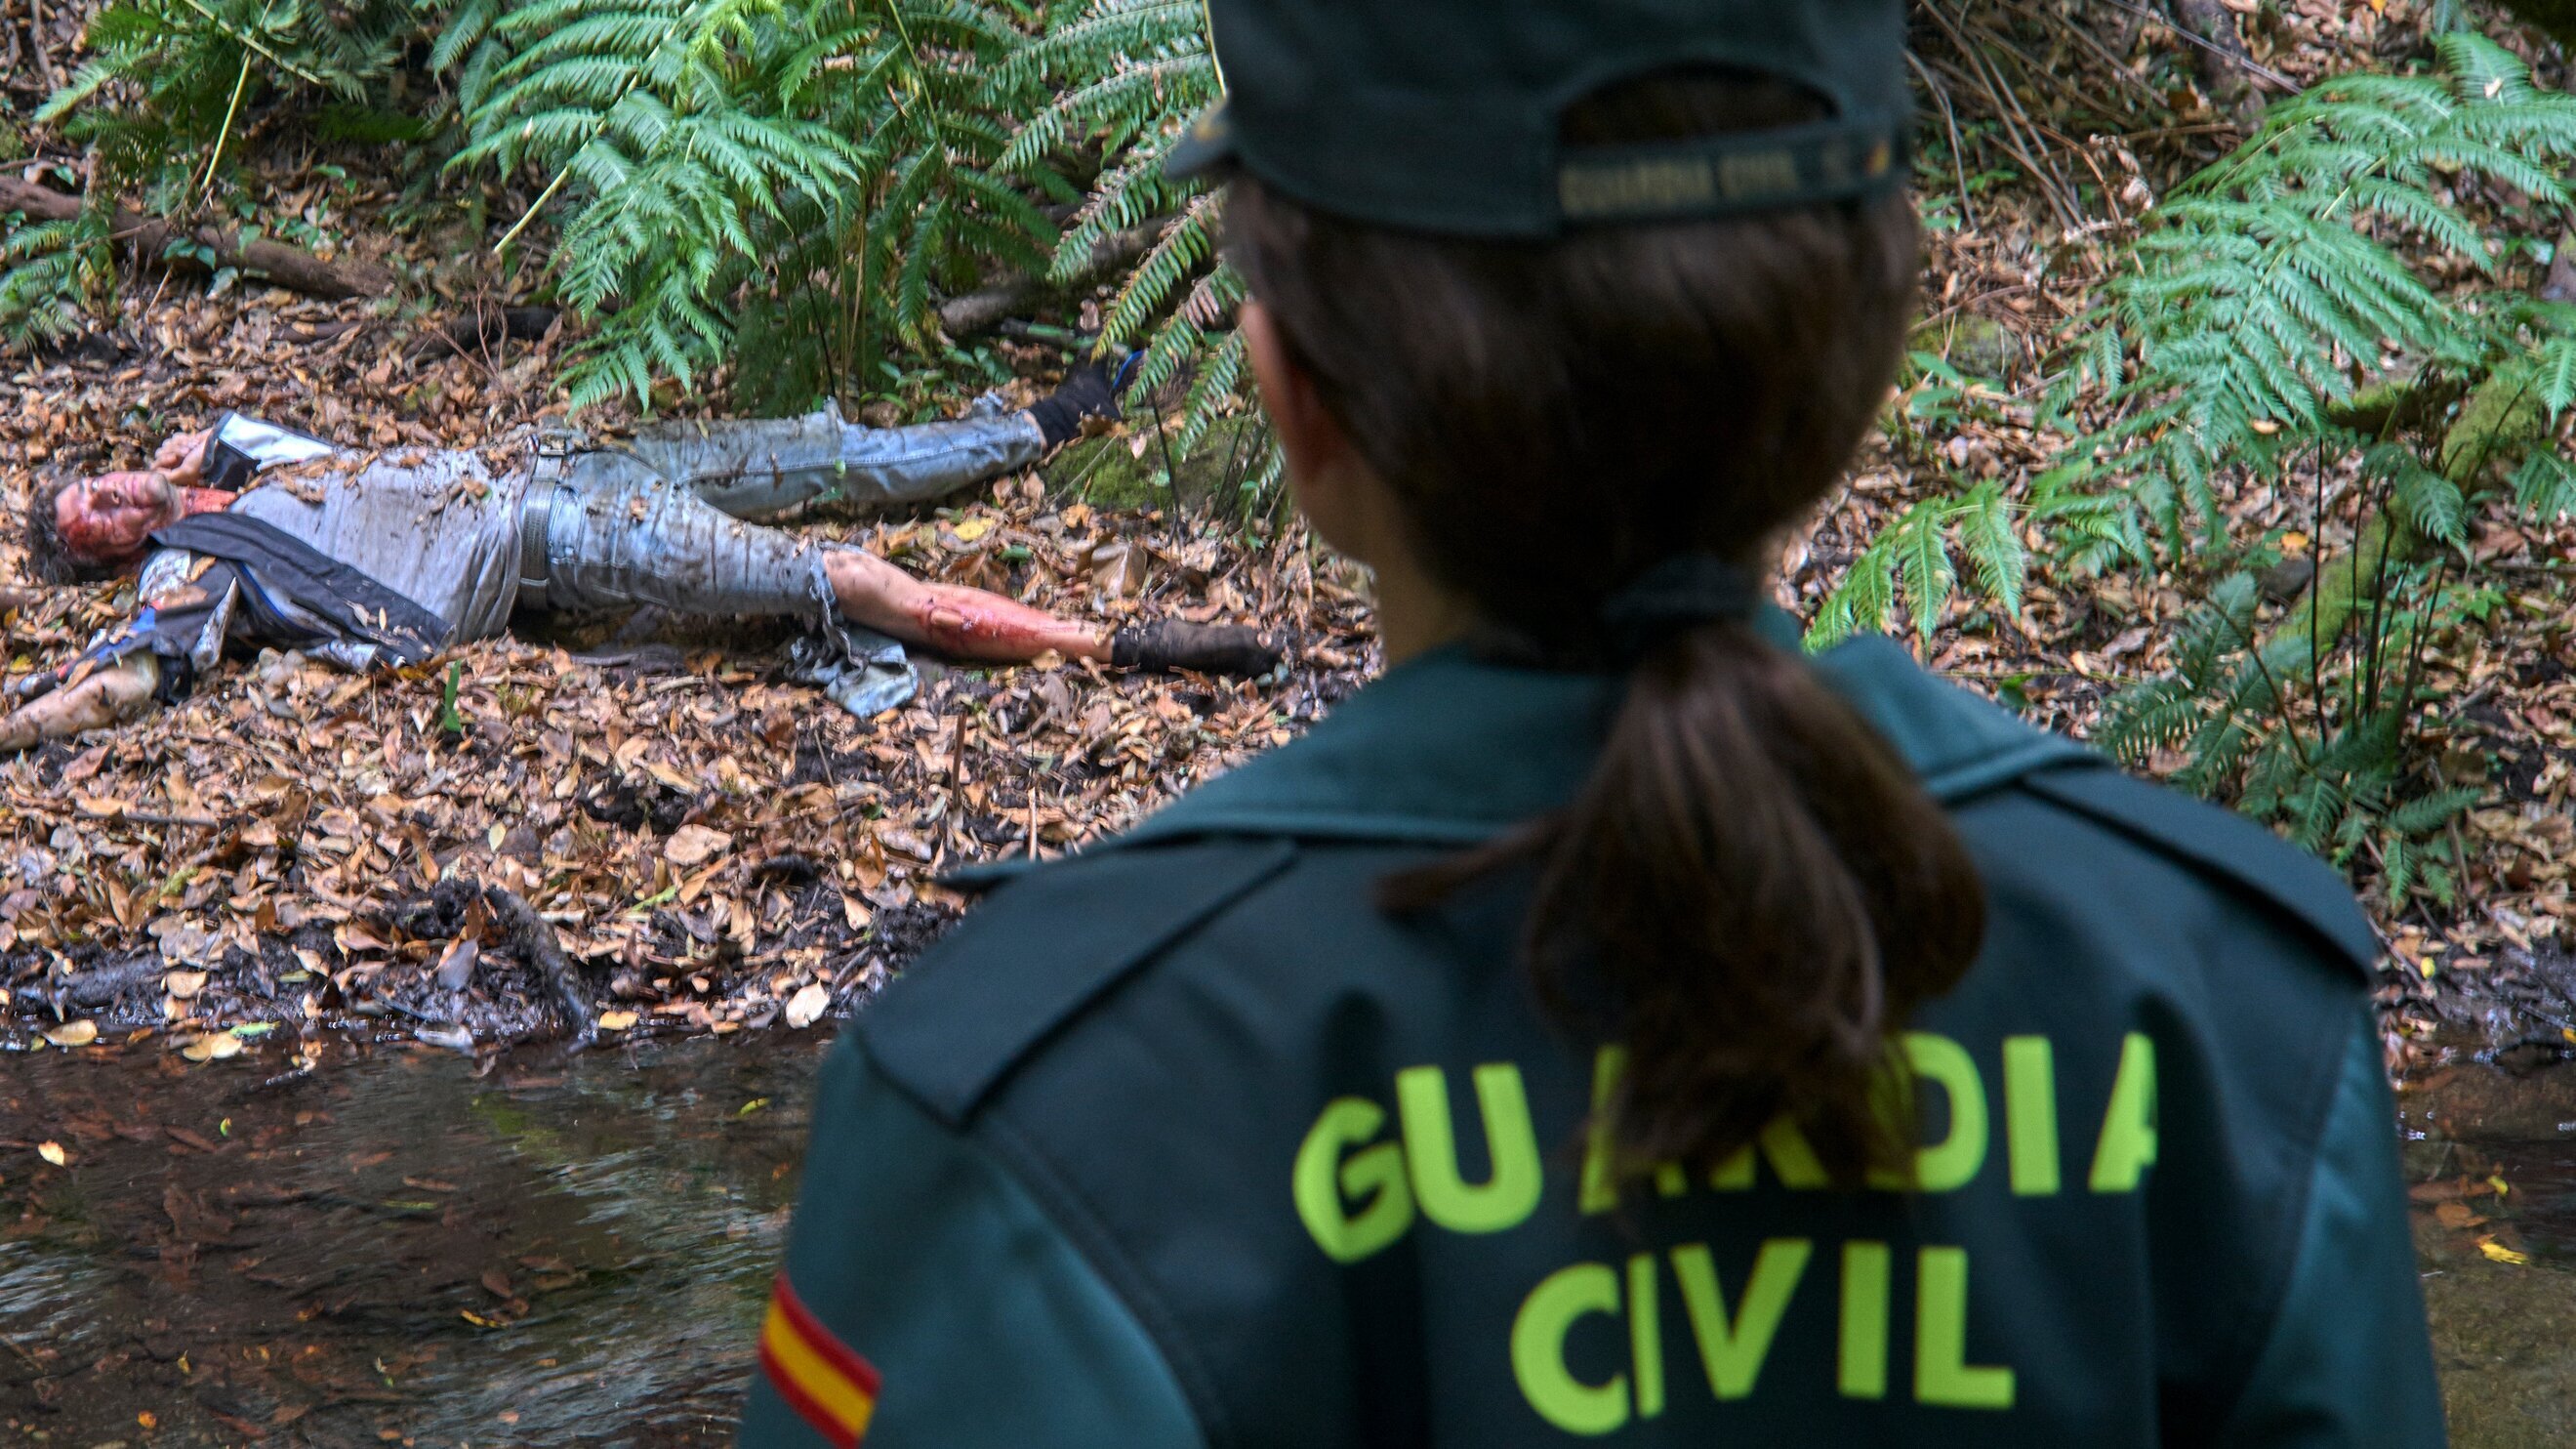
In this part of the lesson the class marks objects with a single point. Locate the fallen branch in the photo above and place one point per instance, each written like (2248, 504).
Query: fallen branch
(962, 317)
(37, 37)
(481, 332)
(299, 271)
(536, 944)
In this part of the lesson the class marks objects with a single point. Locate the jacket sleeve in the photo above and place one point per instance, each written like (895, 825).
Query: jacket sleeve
(928, 1300)
(2350, 1360)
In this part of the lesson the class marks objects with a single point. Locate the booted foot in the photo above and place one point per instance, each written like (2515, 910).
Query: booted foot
(1089, 391)
(1207, 648)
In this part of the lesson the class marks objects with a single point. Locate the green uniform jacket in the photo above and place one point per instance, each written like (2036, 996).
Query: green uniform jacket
(1180, 1142)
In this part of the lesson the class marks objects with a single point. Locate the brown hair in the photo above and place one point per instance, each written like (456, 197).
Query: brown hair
(49, 559)
(1752, 884)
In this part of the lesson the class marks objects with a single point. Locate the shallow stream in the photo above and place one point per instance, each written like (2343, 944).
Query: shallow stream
(2492, 1158)
(405, 1247)
(393, 1248)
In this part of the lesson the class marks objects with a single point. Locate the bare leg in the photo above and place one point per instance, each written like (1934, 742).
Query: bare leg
(967, 622)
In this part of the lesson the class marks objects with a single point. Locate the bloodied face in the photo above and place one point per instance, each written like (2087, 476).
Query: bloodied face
(106, 520)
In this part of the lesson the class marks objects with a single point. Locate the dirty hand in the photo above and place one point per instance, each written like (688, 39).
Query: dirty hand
(114, 694)
(183, 458)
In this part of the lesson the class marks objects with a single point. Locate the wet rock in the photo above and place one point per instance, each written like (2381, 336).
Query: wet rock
(103, 985)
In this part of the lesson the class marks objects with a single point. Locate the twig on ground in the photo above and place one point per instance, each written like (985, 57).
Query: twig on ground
(2025, 148)
(1958, 148)
(534, 940)
(36, 40)
(2246, 63)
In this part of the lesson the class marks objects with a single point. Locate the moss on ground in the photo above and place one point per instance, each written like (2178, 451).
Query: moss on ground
(1109, 471)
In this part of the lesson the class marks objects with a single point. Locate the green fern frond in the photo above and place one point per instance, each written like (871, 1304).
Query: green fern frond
(1989, 527)
(2257, 287)
(2545, 485)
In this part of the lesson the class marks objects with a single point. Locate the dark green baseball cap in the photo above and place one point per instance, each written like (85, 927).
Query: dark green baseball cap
(1443, 115)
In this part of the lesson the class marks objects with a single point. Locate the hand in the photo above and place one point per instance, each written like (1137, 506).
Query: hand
(183, 458)
(112, 695)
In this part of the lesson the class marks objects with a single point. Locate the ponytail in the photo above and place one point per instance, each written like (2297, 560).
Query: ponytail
(1751, 893)
(1763, 893)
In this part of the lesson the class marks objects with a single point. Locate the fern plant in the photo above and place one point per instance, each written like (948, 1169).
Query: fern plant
(1125, 77)
(2308, 735)
(2253, 298)
(1914, 554)
(823, 169)
(2264, 287)
(2279, 311)
(160, 106)
(168, 81)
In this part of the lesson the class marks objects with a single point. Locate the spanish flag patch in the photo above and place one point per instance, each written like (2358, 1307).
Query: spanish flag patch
(820, 1377)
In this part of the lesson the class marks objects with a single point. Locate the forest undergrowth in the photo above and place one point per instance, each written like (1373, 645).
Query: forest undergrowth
(2233, 438)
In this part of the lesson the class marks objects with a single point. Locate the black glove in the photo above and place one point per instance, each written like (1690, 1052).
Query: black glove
(1168, 644)
(1089, 391)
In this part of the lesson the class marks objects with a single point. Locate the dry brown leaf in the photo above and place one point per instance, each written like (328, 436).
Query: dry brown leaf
(806, 1007)
(694, 845)
(212, 1047)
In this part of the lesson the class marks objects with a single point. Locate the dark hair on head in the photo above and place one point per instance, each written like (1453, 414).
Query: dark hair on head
(1752, 885)
(49, 559)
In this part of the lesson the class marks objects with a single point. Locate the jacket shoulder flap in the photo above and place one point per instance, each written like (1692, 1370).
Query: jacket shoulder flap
(2223, 843)
(1038, 951)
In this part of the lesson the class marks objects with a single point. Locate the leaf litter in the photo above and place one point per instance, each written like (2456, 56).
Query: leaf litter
(715, 848)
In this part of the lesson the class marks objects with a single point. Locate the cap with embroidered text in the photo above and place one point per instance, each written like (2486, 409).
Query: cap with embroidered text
(1444, 115)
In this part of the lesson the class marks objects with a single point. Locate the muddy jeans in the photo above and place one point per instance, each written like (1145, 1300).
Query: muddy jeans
(616, 532)
(774, 466)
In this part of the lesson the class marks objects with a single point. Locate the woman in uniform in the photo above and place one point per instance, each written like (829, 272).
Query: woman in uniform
(1609, 1022)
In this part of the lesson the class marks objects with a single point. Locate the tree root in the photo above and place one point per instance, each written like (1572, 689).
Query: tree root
(299, 271)
(101, 986)
(535, 942)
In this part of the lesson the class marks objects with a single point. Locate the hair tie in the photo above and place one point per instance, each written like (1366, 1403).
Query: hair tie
(1675, 596)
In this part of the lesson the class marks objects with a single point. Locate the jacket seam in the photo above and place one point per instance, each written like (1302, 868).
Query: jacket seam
(1103, 977)
(1119, 1272)
(2289, 1239)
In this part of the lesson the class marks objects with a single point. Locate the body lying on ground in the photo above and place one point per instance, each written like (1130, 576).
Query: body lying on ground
(366, 559)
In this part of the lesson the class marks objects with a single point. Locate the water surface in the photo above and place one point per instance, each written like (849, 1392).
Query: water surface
(399, 1247)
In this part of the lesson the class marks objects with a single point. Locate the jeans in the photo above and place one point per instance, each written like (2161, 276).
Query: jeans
(774, 466)
(618, 533)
